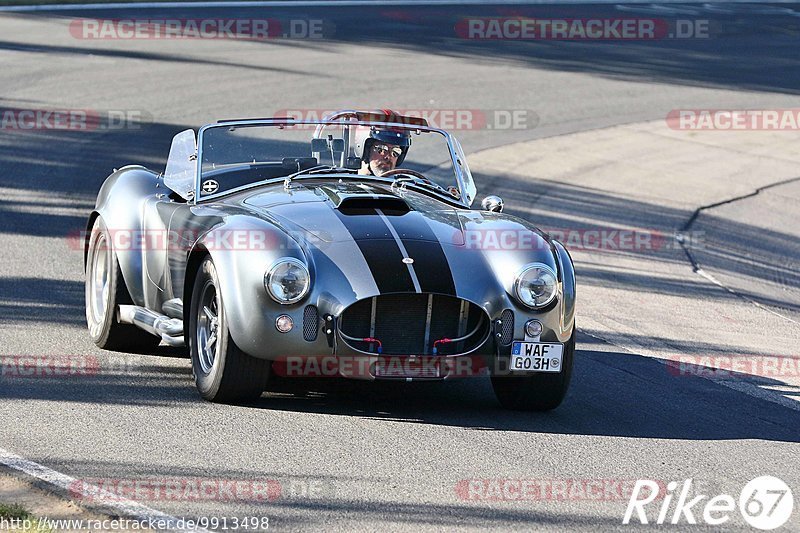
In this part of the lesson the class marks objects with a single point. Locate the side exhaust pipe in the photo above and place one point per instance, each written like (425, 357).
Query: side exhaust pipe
(169, 329)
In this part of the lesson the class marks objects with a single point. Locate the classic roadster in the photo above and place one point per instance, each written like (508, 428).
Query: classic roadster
(348, 241)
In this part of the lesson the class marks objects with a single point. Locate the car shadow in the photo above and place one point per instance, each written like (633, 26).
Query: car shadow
(613, 393)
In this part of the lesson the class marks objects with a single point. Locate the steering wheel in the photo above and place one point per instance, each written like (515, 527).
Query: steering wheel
(407, 172)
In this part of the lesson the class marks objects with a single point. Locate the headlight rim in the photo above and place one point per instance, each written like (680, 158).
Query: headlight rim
(524, 270)
(270, 272)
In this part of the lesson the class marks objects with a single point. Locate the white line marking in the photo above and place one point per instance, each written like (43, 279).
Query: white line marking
(750, 389)
(338, 3)
(715, 281)
(125, 507)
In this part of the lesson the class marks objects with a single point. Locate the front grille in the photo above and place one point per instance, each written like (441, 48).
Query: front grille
(310, 323)
(507, 327)
(409, 324)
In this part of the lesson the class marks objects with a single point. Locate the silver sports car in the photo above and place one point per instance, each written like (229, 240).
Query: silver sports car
(340, 247)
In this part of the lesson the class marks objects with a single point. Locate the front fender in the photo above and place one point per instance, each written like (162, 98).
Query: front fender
(506, 244)
(566, 270)
(241, 263)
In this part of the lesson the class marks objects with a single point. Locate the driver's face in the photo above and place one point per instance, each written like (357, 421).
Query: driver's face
(383, 157)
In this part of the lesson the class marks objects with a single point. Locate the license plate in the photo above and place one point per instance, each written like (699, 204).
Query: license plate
(536, 356)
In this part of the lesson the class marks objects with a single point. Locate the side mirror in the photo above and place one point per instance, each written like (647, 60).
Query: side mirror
(492, 203)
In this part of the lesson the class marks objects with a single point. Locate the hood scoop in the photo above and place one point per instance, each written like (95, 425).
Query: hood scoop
(392, 204)
(355, 199)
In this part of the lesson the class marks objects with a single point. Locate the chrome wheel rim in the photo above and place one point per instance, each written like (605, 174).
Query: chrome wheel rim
(99, 280)
(207, 327)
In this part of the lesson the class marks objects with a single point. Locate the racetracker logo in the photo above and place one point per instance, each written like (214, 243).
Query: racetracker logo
(734, 367)
(447, 119)
(734, 119)
(599, 239)
(86, 120)
(569, 29)
(545, 489)
(177, 489)
(384, 366)
(207, 28)
(48, 366)
(227, 240)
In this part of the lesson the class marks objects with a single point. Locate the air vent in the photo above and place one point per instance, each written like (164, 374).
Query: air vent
(507, 328)
(310, 323)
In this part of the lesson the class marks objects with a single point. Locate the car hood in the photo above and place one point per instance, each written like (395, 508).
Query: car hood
(338, 212)
(379, 240)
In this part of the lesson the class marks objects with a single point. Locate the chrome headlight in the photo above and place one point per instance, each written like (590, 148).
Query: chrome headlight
(536, 285)
(287, 281)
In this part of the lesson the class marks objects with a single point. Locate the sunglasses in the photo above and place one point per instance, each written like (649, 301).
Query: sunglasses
(384, 149)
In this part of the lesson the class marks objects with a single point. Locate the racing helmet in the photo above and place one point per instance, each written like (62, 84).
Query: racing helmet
(366, 137)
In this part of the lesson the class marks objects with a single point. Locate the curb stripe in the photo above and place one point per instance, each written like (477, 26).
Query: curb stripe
(126, 508)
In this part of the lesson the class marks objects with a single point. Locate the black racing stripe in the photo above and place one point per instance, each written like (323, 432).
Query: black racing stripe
(410, 225)
(380, 250)
(386, 263)
(430, 262)
(431, 267)
(364, 223)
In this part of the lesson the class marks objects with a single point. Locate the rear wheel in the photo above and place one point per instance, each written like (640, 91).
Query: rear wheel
(223, 373)
(105, 291)
(536, 392)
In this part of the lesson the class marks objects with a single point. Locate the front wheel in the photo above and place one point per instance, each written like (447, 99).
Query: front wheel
(536, 392)
(223, 373)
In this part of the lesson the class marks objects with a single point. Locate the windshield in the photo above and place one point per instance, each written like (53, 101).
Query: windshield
(233, 156)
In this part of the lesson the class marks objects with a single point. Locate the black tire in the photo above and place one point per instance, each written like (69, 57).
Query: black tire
(536, 392)
(223, 373)
(102, 270)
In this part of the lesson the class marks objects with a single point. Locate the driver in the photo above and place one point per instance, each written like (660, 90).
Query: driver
(381, 150)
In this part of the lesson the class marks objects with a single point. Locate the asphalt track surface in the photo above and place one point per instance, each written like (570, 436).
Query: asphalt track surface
(352, 455)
